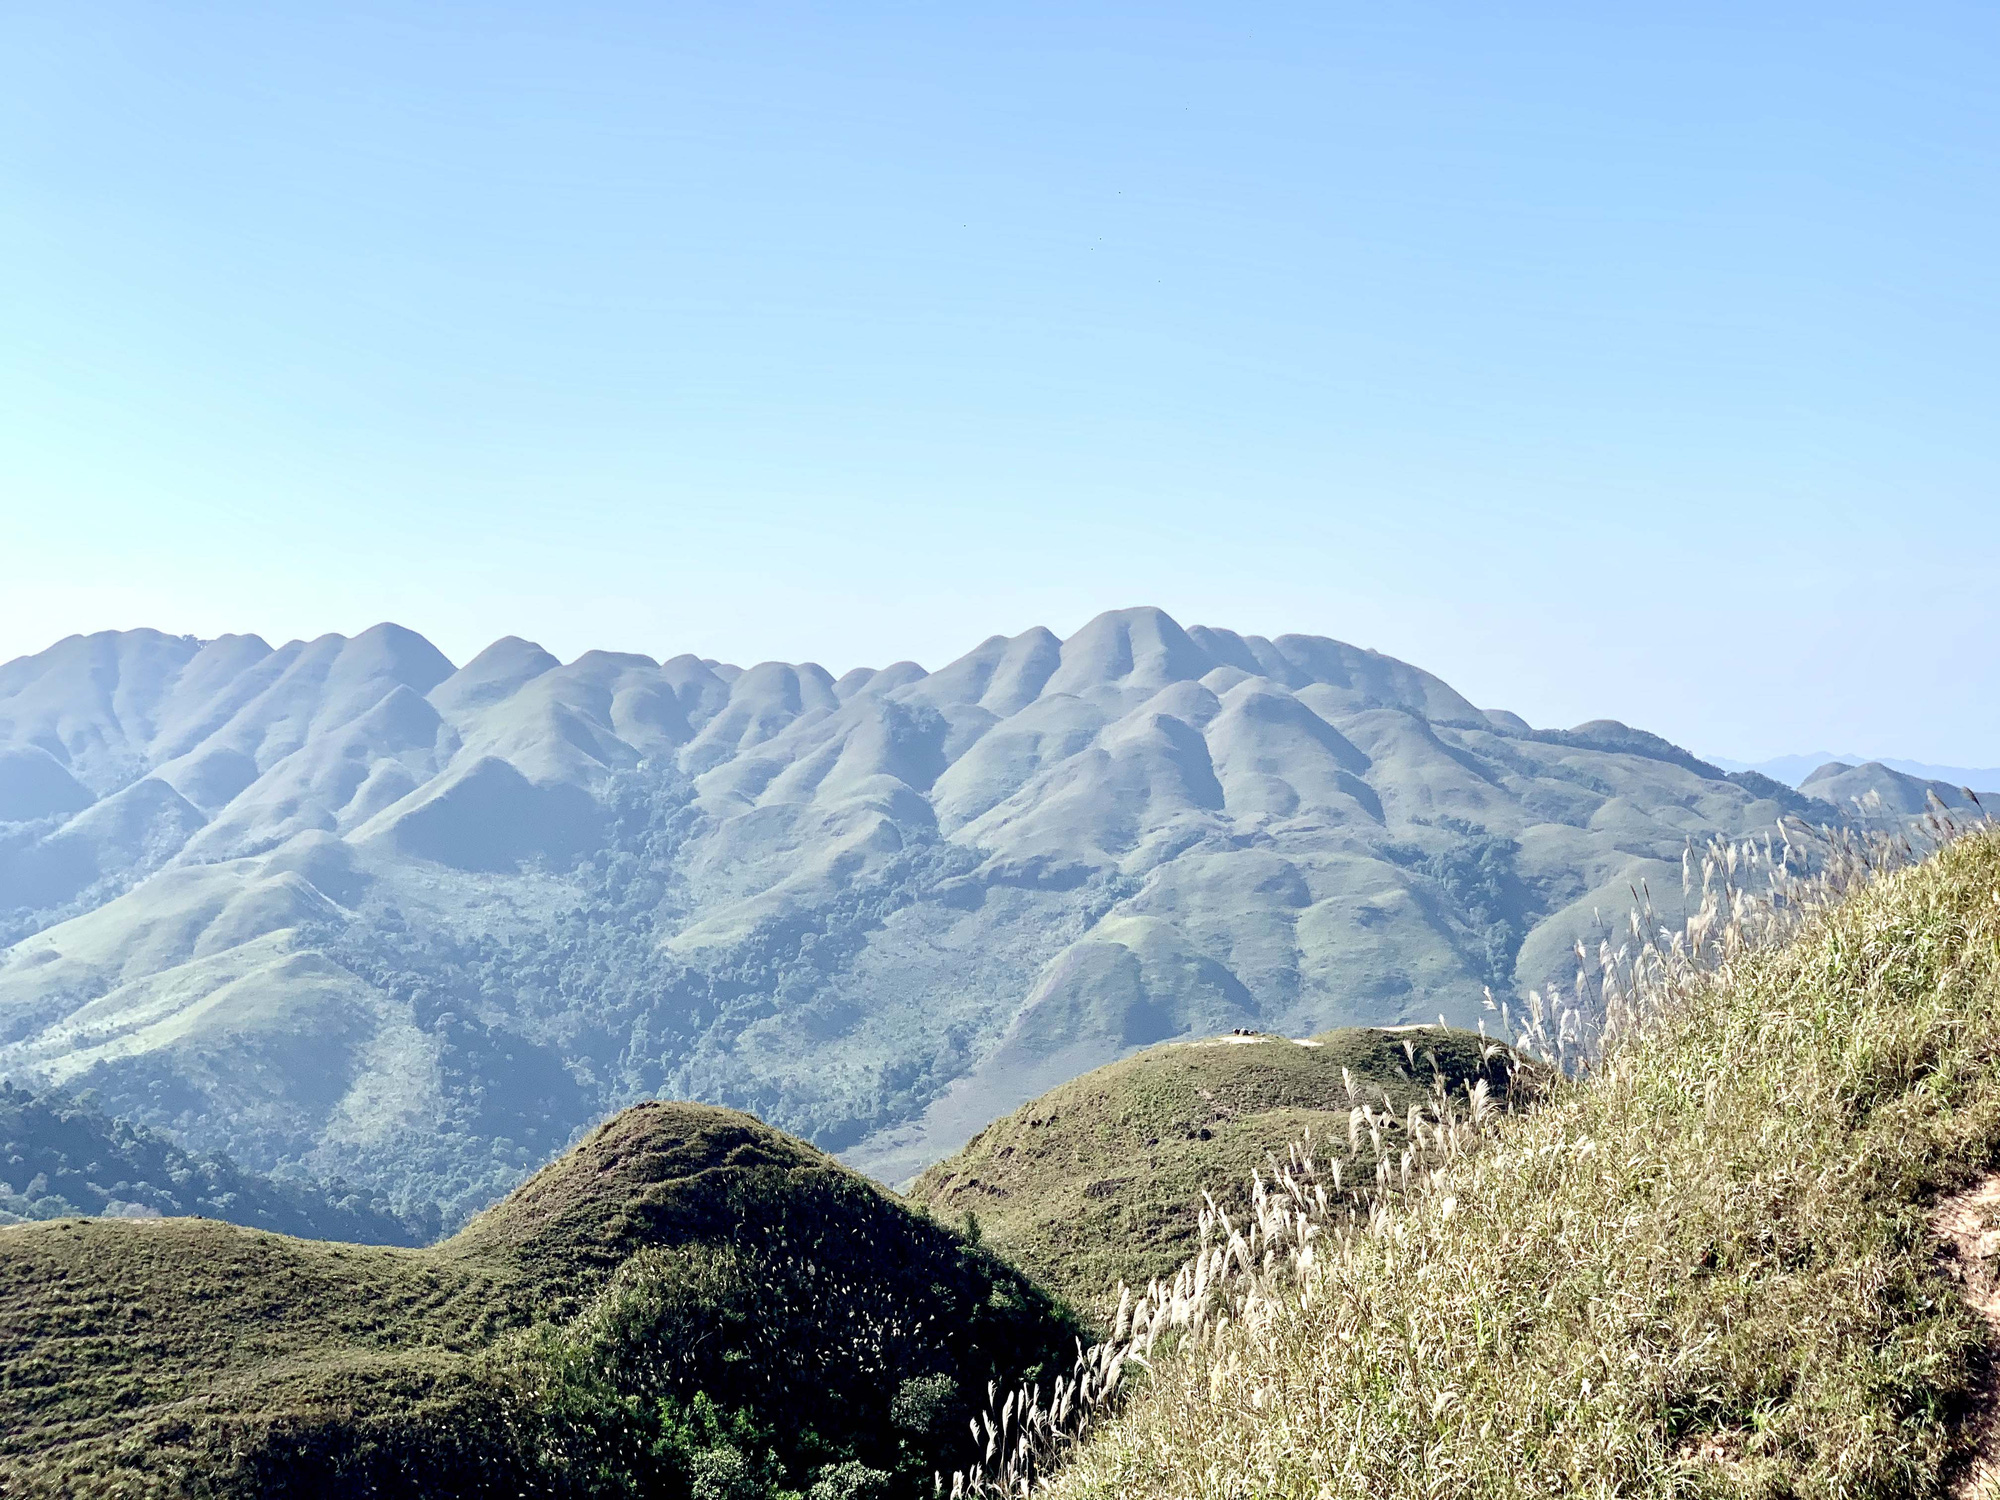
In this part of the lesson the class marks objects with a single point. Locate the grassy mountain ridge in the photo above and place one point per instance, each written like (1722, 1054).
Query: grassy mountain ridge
(1709, 1268)
(687, 1292)
(1099, 1180)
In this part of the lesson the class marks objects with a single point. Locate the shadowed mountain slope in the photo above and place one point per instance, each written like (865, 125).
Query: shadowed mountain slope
(61, 1158)
(336, 906)
(686, 1292)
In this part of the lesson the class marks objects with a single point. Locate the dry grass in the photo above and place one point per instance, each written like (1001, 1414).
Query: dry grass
(681, 1253)
(1098, 1180)
(1703, 1268)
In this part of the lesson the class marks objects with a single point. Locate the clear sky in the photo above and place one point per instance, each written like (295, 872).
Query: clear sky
(1606, 360)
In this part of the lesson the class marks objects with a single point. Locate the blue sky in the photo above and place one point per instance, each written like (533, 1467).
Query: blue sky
(1605, 362)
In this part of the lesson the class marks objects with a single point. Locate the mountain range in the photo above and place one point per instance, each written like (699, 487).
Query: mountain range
(1796, 770)
(344, 908)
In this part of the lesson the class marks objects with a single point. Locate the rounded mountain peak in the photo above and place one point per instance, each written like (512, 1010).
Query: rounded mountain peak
(657, 1171)
(1140, 649)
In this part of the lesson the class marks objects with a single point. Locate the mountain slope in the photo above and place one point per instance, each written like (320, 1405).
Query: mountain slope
(337, 906)
(1723, 1264)
(685, 1289)
(60, 1157)
(1875, 794)
(1101, 1179)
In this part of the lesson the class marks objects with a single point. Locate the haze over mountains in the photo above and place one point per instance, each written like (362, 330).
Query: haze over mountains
(1795, 770)
(341, 907)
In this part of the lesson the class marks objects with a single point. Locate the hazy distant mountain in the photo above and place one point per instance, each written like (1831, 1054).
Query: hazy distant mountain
(1874, 793)
(343, 905)
(1793, 770)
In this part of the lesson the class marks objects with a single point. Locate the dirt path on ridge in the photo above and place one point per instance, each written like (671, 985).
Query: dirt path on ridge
(1968, 1229)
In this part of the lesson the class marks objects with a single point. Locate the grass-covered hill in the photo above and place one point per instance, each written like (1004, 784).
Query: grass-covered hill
(1100, 1180)
(1714, 1267)
(686, 1304)
(61, 1158)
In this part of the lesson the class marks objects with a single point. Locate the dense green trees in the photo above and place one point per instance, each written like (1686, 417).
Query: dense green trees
(61, 1156)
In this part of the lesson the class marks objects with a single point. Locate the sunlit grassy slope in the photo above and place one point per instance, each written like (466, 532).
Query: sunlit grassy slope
(1100, 1180)
(682, 1261)
(1706, 1270)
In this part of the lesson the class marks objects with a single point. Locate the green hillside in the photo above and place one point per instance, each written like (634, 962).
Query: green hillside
(346, 907)
(688, 1303)
(61, 1158)
(1099, 1180)
(1734, 1261)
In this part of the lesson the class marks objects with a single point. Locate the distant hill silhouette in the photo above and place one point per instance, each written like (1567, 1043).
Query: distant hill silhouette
(1794, 769)
(1873, 793)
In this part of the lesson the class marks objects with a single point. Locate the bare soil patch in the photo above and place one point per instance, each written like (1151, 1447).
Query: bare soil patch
(1968, 1229)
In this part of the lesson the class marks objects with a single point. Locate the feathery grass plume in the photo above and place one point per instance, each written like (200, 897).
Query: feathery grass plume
(1701, 1266)
(1241, 1276)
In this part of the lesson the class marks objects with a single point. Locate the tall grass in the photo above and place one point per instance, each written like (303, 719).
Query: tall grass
(1701, 1267)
